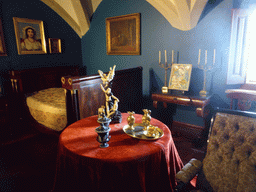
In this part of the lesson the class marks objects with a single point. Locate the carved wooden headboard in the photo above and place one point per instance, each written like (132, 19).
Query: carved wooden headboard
(31, 80)
(85, 91)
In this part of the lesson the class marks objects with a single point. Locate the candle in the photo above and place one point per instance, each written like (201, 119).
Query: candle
(165, 56)
(159, 56)
(205, 57)
(172, 55)
(213, 56)
(199, 55)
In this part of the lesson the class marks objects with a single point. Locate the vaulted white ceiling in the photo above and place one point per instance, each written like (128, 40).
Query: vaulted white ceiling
(181, 14)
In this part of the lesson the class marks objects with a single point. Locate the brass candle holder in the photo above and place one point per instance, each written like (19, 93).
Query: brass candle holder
(165, 67)
(205, 68)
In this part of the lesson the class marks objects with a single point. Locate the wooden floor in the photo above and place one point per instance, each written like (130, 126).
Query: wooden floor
(188, 149)
(28, 164)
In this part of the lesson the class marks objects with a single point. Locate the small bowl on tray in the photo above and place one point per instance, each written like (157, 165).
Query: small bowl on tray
(139, 132)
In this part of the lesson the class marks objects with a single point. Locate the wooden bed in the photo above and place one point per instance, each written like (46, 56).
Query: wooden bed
(83, 93)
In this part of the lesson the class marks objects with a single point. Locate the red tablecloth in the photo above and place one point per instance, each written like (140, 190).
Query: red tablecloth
(128, 164)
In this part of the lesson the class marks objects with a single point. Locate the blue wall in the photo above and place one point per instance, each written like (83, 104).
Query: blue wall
(243, 3)
(157, 34)
(212, 32)
(54, 26)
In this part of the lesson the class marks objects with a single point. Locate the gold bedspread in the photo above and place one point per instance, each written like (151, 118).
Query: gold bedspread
(48, 107)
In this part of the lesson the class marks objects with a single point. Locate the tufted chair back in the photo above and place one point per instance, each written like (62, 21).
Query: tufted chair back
(230, 161)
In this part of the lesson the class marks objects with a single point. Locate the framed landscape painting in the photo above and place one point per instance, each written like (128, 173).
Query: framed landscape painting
(2, 44)
(180, 77)
(123, 35)
(30, 37)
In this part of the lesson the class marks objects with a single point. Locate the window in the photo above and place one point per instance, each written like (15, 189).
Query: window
(242, 56)
(251, 47)
(237, 64)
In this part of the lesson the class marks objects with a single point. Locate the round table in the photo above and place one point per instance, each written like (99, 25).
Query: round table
(128, 164)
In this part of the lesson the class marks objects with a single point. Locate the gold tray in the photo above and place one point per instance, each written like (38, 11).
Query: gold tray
(139, 133)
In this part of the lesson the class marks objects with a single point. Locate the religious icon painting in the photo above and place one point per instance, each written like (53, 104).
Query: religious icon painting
(180, 77)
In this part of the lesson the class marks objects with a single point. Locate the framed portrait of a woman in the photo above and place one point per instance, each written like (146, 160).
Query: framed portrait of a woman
(30, 38)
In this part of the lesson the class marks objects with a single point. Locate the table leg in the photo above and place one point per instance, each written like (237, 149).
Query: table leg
(164, 112)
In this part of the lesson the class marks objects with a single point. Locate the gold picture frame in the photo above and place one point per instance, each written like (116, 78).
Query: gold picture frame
(30, 38)
(180, 77)
(2, 43)
(123, 35)
(54, 45)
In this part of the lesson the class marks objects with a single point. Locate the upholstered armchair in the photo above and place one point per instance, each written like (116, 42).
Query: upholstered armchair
(230, 160)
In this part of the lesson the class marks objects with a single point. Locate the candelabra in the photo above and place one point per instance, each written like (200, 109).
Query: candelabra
(205, 68)
(165, 67)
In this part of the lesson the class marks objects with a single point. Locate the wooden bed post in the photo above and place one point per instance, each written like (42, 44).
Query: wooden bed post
(73, 113)
(16, 82)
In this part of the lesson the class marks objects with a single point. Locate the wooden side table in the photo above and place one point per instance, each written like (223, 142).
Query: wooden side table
(128, 164)
(241, 98)
(202, 109)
